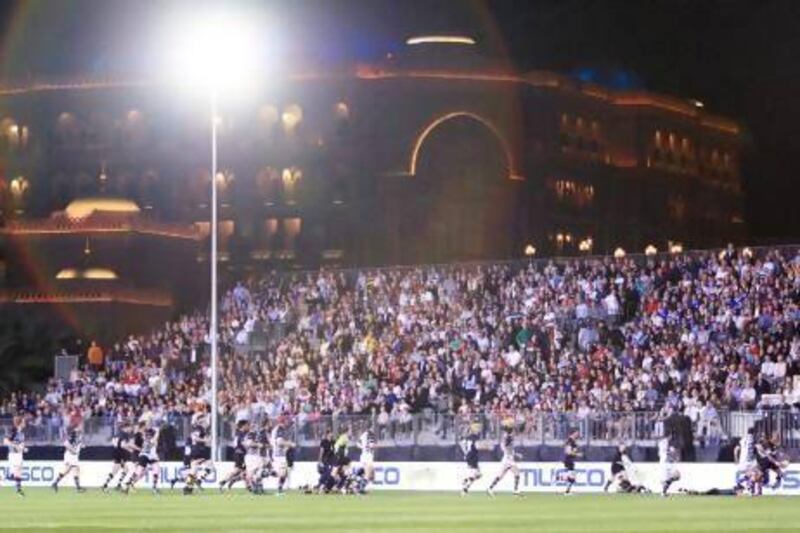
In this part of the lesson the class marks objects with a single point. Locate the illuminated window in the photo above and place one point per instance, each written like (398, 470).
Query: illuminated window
(562, 240)
(579, 195)
(290, 178)
(12, 136)
(341, 111)
(292, 116)
(291, 229)
(268, 185)
(269, 234)
(19, 188)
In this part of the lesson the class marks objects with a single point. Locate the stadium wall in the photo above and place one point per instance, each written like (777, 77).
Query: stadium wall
(446, 476)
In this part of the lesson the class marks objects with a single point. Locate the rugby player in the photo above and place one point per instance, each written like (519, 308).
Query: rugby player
(509, 462)
(16, 452)
(366, 461)
(341, 471)
(620, 474)
(745, 455)
(72, 451)
(769, 459)
(326, 463)
(667, 457)
(571, 453)
(469, 446)
(148, 459)
(238, 472)
(253, 462)
(280, 442)
(121, 457)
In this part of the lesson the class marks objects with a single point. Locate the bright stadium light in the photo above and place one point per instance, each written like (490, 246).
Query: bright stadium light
(216, 53)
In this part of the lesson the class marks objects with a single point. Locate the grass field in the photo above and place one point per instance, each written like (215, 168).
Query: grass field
(417, 512)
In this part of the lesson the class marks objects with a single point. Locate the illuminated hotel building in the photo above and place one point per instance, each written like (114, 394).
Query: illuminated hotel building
(433, 154)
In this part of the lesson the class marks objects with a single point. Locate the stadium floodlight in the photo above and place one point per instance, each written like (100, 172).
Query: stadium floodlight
(216, 53)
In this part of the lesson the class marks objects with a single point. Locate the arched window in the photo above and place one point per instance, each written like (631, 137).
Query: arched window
(292, 117)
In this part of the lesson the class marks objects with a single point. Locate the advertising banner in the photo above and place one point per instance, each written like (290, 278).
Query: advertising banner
(442, 476)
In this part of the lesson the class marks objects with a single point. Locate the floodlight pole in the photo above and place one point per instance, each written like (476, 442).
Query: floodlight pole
(214, 328)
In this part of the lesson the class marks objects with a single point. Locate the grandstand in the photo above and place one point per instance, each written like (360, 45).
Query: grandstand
(701, 346)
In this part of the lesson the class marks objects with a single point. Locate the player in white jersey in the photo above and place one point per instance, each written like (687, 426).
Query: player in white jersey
(509, 461)
(253, 462)
(745, 455)
(281, 443)
(667, 457)
(72, 452)
(148, 460)
(367, 443)
(16, 450)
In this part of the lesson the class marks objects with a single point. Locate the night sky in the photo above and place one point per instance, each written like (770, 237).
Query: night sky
(742, 58)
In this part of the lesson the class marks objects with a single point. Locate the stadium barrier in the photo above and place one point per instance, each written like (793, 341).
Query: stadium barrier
(441, 476)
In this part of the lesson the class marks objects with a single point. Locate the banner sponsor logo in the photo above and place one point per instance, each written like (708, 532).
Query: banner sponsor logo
(444, 476)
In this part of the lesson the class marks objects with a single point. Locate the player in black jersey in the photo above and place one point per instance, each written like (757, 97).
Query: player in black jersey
(121, 457)
(135, 444)
(619, 473)
(326, 463)
(769, 460)
(186, 467)
(196, 463)
(238, 472)
(571, 453)
(469, 446)
(148, 458)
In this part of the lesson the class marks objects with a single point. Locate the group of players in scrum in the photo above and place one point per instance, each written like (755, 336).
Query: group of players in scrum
(259, 454)
(268, 451)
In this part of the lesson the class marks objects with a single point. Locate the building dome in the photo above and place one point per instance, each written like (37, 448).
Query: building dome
(85, 207)
(89, 273)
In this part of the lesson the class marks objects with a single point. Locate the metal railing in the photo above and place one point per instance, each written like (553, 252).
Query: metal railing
(430, 428)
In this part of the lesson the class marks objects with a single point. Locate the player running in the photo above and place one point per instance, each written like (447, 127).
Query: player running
(72, 451)
(16, 452)
(253, 462)
(469, 446)
(571, 453)
(509, 462)
(148, 460)
(196, 461)
(281, 444)
(667, 457)
(121, 458)
(367, 443)
(239, 450)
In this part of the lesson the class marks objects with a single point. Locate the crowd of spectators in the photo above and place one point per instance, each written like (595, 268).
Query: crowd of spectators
(697, 333)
